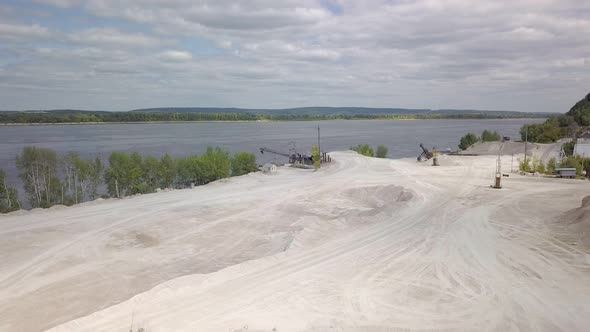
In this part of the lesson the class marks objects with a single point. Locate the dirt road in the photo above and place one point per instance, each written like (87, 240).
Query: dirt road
(362, 245)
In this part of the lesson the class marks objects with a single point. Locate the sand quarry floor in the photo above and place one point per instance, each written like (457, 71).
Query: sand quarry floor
(363, 244)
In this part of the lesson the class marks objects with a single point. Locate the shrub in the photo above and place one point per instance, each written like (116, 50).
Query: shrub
(363, 149)
(381, 151)
(551, 165)
(243, 163)
(525, 165)
(539, 167)
(573, 162)
(467, 141)
(489, 136)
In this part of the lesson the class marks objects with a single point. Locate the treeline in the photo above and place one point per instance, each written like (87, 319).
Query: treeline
(554, 128)
(471, 138)
(49, 179)
(115, 117)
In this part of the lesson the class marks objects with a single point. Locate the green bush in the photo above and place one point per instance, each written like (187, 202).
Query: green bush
(381, 151)
(467, 141)
(573, 162)
(243, 163)
(525, 165)
(538, 166)
(489, 136)
(363, 149)
(551, 165)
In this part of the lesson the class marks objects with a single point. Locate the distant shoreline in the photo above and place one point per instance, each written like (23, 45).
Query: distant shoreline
(245, 121)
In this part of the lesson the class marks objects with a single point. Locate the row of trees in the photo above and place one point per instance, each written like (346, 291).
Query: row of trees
(106, 117)
(366, 150)
(471, 138)
(50, 179)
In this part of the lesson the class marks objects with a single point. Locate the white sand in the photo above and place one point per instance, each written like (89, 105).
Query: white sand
(362, 245)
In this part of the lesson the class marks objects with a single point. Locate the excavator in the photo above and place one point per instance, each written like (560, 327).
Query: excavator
(294, 158)
(426, 154)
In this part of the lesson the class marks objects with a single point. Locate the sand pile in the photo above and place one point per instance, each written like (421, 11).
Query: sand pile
(364, 244)
(577, 222)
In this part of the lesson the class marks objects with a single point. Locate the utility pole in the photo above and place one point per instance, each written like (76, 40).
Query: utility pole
(319, 147)
(526, 141)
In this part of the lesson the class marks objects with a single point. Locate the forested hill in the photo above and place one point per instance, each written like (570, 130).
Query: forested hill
(345, 111)
(571, 124)
(241, 114)
(581, 111)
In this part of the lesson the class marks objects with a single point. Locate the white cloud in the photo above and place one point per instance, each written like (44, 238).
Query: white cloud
(175, 55)
(517, 54)
(114, 38)
(22, 32)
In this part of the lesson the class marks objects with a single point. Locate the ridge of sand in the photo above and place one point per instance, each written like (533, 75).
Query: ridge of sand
(365, 244)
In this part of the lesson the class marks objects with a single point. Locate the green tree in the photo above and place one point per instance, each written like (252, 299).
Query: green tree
(95, 175)
(467, 141)
(215, 164)
(38, 168)
(381, 151)
(151, 173)
(568, 148)
(363, 149)
(167, 171)
(118, 174)
(315, 156)
(8, 195)
(243, 163)
(489, 136)
(138, 185)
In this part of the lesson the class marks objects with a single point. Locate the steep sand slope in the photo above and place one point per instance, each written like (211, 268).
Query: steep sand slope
(371, 245)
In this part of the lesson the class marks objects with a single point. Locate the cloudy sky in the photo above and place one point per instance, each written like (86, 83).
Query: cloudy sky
(524, 55)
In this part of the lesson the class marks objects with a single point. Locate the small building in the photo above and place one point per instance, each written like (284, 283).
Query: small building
(566, 172)
(269, 168)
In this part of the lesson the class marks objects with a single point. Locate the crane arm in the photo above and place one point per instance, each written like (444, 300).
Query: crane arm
(263, 150)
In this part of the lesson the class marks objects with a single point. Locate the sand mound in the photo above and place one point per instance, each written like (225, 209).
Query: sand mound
(577, 222)
(378, 196)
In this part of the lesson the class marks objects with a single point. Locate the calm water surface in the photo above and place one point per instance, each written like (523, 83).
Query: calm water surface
(401, 137)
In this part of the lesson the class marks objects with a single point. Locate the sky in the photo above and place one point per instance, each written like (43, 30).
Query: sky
(520, 55)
